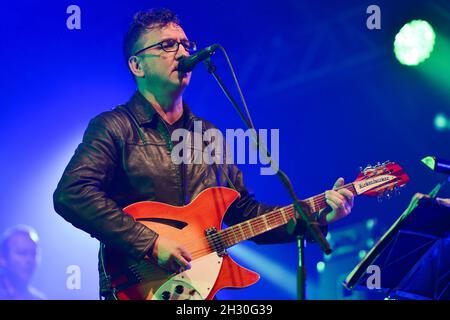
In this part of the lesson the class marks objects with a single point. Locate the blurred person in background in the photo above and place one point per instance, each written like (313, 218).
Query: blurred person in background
(19, 255)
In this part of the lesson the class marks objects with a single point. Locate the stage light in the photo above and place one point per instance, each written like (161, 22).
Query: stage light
(414, 42)
(320, 266)
(441, 122)
(370, 242)
(362, 254)
(370, 223)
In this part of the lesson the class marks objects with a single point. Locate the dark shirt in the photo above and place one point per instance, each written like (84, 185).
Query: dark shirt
(180, 123)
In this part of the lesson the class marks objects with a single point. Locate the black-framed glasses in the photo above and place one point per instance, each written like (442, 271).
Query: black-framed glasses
(171, 45)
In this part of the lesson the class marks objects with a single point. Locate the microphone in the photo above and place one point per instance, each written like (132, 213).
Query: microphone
(187, 64)
(437, 164)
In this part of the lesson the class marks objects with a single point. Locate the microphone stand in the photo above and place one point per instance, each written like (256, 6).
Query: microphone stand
(302, 224)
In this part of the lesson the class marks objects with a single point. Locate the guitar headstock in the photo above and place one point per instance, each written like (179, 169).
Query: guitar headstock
(381, 180)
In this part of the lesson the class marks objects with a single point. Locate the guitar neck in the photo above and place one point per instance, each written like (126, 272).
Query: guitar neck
(317, 203)
(273, 219)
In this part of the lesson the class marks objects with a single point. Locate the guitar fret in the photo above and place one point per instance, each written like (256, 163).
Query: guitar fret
(264, 218)
(256, 225)
(352, 189)
(234, 235)
(291, 215)
(318, 203)
(243, 226)
(252, 232)
(272, 220)
(253, 227)
(214, 240)
(250, 228)
(242, 231)
(268, 221)
(313, 205)
(283, 217)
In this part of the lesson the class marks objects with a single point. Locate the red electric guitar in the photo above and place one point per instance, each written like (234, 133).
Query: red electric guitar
(197, 226)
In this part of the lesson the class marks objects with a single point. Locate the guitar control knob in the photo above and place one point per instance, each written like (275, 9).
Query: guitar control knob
(179, 289)
(165, 295)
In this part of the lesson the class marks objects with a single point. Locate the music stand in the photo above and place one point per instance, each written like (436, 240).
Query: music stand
(413, 256)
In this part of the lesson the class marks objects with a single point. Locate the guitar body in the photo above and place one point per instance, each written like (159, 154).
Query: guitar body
(145, 280)
(197, 227)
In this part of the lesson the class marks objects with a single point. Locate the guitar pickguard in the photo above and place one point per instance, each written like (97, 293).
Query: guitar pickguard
(193, 284)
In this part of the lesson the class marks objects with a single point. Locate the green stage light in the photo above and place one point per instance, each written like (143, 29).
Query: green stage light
(320, 266)
(440, 122)
(414, 42)
(430, 162)
(362, 254)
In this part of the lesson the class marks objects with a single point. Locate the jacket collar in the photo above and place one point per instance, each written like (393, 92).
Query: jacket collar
(145, 113)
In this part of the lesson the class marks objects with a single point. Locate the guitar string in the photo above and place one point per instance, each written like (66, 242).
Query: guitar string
(318, 201)
(217, 238)
(271, 217)
(226, 236)
(146, 270)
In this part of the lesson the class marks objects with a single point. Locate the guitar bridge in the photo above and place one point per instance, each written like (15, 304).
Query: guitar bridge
(215, 241)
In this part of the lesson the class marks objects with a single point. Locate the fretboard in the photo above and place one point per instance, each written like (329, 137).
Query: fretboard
(271, 220)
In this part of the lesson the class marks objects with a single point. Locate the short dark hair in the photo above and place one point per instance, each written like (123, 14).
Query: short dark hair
(144, 21)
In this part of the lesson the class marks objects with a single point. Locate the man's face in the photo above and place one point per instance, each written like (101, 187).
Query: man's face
(160, 67)
(21, 257)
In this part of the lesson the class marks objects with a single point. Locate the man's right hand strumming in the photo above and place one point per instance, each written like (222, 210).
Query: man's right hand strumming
(171, 255)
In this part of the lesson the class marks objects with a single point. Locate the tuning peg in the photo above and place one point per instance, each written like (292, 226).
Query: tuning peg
(366, 169)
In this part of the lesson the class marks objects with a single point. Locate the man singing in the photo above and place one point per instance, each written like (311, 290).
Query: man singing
(125, 156)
